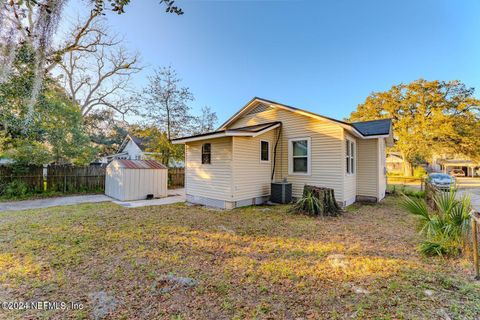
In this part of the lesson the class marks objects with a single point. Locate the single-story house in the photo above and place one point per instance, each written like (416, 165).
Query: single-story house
(394, 162)
(470, 167)
(447, 162)
(268, 141)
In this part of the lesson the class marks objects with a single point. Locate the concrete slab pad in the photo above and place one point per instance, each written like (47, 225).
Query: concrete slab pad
(174, 196)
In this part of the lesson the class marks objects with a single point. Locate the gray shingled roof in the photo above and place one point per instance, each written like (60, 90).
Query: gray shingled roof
(373, 127)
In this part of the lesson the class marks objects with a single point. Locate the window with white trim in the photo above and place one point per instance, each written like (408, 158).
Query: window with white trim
(264, 151)
(206, 153)
(350, 156)
(299, 156)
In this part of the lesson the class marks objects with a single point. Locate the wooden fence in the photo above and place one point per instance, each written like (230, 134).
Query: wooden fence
(75, 179)
(31, 176)
(475, 223)
(55, 178)
(69, 179)
(176, 177)
(407, 181)
(430, 192)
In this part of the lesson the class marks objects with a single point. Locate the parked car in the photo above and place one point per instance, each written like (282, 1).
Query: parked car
(441, 180)
(457, 173)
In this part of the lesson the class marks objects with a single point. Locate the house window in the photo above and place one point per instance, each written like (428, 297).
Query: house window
(206, 153)
(299, 156)
(350, 156)
(264, 151)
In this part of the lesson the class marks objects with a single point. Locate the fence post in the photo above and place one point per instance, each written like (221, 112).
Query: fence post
(475, 244)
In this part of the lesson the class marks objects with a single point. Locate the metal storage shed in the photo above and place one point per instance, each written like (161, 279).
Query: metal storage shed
(136, 179)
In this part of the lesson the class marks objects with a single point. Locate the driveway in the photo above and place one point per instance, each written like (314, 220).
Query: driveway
(174, 196)
(468, 183)
(471, 187)
(474, 195)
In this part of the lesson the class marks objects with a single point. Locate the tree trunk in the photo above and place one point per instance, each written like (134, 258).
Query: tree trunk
(407, 169)
(407, 166)
(328, 206)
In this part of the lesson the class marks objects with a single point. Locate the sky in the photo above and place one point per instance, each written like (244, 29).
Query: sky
(325, 56)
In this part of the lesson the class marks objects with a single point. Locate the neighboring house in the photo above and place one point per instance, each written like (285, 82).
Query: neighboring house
(134, 148)
(394, 162)
(268, 141)
(470, 167)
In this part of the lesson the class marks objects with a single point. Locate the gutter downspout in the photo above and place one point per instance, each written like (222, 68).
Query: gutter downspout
(275, 152)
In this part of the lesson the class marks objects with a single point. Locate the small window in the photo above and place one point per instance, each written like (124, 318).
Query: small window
(350, 157)
(264, 151)
(206, 153)
(299, 156)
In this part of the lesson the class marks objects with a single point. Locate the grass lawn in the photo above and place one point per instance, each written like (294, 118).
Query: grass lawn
(257, 262)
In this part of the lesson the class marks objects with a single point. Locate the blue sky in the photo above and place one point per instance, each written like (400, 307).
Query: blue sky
(326, 56)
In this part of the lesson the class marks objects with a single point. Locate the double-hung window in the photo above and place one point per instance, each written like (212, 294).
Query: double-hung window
(206, 153)
(264, 151)
(299, 156)
(350, 156)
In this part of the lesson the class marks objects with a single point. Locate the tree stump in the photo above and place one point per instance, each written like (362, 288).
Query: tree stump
(326, 196)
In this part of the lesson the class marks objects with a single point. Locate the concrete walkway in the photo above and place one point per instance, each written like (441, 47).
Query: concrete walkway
(174, 196)
(52, 202)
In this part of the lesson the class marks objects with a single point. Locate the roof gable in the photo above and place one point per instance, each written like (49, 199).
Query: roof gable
(140, 142)
(257, 105)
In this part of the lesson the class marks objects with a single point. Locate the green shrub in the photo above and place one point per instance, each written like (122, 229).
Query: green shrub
(16, 188)
(446, 228)
(308, 204)
(403, 190)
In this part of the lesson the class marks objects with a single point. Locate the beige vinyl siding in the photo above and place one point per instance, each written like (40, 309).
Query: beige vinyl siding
(210, 180)
(350, 180)
(367, 167)
(382, 178)
(252, 177)
(326, 148)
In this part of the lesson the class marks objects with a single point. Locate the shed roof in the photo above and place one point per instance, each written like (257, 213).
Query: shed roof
(139, 164)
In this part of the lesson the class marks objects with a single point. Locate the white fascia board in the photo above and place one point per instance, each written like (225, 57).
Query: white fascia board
(231, 133)
(377, 136)
(191, 139)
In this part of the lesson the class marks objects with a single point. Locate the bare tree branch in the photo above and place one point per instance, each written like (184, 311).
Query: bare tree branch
(98, 72)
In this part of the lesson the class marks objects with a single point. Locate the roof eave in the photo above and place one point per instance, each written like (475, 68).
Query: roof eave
(227, 133)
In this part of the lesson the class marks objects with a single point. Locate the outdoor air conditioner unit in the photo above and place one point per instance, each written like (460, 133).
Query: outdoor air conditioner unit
(281, 192)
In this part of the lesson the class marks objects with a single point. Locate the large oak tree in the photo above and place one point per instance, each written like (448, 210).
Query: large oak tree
(429, 117)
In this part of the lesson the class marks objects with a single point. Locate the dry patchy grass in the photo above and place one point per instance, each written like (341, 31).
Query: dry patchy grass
(257, 262)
